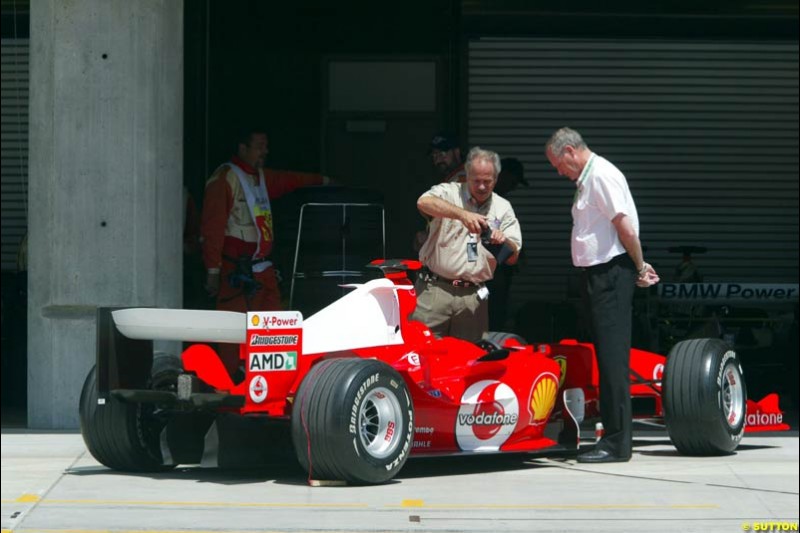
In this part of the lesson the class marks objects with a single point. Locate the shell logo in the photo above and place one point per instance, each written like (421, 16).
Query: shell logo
(254, 320)
(543, 397)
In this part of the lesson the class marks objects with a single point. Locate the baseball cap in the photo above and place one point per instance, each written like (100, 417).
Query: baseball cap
(443, 141)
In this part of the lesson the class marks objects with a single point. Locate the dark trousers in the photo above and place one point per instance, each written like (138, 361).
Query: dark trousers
(499, 288)
(609, 288)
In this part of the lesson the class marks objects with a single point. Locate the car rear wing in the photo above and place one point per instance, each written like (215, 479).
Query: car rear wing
(125, 339)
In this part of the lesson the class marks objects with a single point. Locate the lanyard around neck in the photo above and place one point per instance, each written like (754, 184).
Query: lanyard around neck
(583, 177)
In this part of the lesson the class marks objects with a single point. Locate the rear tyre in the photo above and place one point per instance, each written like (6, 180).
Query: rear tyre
(495, 340)
(165, 371)
(120, 435)
(353, 420)
(705, 397)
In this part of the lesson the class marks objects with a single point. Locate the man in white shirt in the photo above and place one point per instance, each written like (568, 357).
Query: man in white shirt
(605, 245)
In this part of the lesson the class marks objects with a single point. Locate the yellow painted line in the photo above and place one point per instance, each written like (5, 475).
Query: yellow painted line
(709, 506)
(38, 530)
(601, 506)
(209, 504)
(404, 504)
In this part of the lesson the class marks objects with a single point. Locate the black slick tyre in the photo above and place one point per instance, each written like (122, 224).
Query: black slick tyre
(353, 420)
(165, 371)
(705, 397)
(497, 339)
(120, 435)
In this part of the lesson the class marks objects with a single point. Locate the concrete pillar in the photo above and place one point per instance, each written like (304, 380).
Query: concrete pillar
(105, 197)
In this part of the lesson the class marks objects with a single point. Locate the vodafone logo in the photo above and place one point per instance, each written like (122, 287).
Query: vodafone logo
(764, 419)
(488, 415)
(258, 389)
(658, 373)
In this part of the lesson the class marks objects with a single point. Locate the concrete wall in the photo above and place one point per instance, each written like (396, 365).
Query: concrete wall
(106, 118)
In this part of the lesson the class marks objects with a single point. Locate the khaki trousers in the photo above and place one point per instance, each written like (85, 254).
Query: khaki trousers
(451, 311)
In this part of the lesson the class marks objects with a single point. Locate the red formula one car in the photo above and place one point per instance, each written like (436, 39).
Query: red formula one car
(364, 388)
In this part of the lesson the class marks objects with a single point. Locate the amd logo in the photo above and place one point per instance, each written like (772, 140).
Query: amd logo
(270, 362)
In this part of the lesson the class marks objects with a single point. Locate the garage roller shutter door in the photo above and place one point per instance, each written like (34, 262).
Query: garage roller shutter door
(706, 133)
(14, 148)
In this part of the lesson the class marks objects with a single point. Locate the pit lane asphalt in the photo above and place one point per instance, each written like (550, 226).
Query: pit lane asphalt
(50, 483)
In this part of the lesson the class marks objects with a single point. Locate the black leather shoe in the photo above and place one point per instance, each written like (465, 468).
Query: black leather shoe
(602, 456)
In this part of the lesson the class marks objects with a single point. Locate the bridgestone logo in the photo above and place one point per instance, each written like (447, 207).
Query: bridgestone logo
(728, 355)
(487, 419)
(279, 340)
(370, 381)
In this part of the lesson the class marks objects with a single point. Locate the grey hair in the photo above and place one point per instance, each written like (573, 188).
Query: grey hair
(483, 155)
(561, 139)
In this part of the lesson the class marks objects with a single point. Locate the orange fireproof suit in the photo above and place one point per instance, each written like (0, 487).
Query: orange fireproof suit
(230, 238)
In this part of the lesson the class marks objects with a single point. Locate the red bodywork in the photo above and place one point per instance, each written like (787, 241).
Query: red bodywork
(462, 404)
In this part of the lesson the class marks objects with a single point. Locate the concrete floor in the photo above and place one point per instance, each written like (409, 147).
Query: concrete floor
(50, 483)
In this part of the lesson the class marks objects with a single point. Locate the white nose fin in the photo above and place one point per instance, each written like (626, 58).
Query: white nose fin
(575, 402)
(574, 405)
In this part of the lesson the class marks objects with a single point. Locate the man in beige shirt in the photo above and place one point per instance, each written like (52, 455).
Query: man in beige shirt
(452, 299)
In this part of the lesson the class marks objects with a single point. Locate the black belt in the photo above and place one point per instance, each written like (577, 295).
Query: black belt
(619, 259)
(427, 275)
(245, 259)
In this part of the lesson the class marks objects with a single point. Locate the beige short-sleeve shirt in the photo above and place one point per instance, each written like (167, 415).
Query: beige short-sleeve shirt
(445, 250)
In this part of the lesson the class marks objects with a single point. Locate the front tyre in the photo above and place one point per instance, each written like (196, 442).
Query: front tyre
(705, 397)
(353, 420)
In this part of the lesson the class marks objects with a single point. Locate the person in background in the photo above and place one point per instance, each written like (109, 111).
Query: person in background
(451, 291)
(606, 247)
(237, 230)
(446, 158)
(511, 176)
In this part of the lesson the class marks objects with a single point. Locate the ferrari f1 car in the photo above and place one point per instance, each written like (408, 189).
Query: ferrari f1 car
(363, 387)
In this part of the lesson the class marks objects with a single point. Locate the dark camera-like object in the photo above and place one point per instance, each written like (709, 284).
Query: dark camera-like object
(501, 252)
(245, 282)
(242, 277)
(486, 236)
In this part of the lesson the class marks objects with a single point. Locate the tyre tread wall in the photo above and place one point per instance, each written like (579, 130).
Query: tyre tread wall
(706, 133)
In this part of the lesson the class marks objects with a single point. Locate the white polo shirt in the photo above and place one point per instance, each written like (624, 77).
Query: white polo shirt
(602, 194)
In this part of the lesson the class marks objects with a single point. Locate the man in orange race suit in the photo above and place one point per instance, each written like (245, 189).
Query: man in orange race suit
(237, 230)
